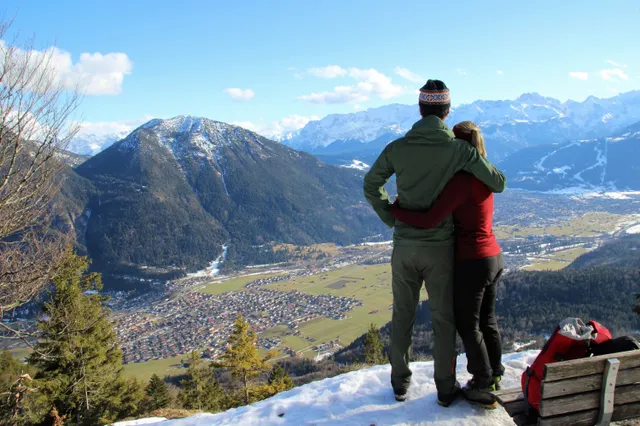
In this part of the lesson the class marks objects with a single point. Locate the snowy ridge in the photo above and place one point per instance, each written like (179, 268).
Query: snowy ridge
(508, 125)
(364, 397)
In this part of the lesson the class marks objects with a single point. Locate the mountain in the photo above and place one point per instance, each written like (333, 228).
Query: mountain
(88, 144)
(174, 191)
(363, 397)
(508, 125)
(608, 163)
(622, 252)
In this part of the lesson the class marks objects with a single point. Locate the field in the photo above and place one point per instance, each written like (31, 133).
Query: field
(555, 261)
(233, 284)
(588, 225)
(162, 367)
(370, 284)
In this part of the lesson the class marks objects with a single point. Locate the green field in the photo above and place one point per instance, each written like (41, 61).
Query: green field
(557, 260)
(161, 367)
(588, 225)
(369, 284)
(233, 284)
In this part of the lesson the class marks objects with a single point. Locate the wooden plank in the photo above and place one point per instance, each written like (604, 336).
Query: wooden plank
(588, 366)
(587, 401)
(588, 418)
(506, 396)
(517, 407)
(585, 384)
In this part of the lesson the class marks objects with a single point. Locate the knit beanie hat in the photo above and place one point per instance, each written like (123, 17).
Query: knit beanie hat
(435, 92)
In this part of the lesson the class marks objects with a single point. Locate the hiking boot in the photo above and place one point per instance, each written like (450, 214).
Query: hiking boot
(400, 394)
(480, 396)
(445, 400)
(495, 386)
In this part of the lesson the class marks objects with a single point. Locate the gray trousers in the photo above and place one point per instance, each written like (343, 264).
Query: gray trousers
(412, 266)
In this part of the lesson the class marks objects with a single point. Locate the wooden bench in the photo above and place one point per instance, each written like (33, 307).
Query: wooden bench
(587, 391)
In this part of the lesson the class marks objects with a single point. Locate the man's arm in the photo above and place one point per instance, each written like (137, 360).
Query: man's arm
(451, 197)
(478, 166)
(374, 190)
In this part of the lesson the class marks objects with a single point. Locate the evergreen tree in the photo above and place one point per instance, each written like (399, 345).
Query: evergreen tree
(373, 346)
(78, 359)
(279, 379)
(243, 360)
(200, 390)
(157, 393)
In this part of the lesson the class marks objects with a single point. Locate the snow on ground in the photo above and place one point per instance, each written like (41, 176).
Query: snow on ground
(634, 230)
(358, 165)
(214, 267)
(378, 243)
(364, 397)
(147, 421)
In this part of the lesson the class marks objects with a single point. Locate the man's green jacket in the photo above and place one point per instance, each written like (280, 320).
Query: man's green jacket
(424, 160)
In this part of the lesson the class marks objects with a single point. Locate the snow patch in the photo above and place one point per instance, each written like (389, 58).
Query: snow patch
(365, 397)
(358, 165)
(214, 268)
(634, 230)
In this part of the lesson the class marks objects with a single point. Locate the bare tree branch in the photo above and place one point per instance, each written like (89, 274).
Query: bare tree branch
(35, 125)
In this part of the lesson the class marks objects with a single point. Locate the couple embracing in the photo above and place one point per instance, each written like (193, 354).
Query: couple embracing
(443, 238)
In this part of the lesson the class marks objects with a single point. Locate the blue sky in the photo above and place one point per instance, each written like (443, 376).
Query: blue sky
(292, 60)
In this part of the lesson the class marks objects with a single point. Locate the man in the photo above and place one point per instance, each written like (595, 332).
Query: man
(424, 160)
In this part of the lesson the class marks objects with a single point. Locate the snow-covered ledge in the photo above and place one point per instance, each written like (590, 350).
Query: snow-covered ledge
(364, 397)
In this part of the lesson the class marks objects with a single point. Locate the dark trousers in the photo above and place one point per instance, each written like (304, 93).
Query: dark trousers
(475, 302)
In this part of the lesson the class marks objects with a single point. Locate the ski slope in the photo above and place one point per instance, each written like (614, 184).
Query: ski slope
(363, 398)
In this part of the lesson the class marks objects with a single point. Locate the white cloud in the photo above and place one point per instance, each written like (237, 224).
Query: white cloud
(579, 75)
(279, 128)
(240, 94)
(370, 83)
(331, 71)
(616, 64)
(92, 74)
(612, 90)
(111, 127)
(411, 76)
(499, 72)
(357, 107)
(614, 74)
(462, 71)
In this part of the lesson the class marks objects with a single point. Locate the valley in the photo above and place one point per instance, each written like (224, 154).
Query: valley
(349, 288)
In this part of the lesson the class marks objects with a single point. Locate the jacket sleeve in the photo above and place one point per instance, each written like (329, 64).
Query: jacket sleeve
(374, 190)
(451, 197)
(482, 169)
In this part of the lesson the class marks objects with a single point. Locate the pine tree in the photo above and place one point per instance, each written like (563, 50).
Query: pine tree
(200, 390)
(242, 358)
(78, 359)
(373, 346)
(279, 379)
(158, 393)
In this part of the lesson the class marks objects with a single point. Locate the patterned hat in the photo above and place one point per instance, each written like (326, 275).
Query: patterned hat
(435, 92)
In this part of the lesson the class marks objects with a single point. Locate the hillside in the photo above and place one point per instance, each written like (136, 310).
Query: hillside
(364, 397)
(606, 163)
(174, 191)
(623, 252)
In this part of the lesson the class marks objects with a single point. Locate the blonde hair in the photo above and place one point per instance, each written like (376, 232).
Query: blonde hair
(468, 131)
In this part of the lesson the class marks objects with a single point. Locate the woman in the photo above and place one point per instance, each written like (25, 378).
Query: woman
(479, 265)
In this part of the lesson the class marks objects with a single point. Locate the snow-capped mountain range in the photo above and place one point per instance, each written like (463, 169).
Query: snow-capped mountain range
(508, 125)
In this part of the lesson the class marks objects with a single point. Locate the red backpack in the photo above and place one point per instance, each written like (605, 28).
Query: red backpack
(570, 340)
